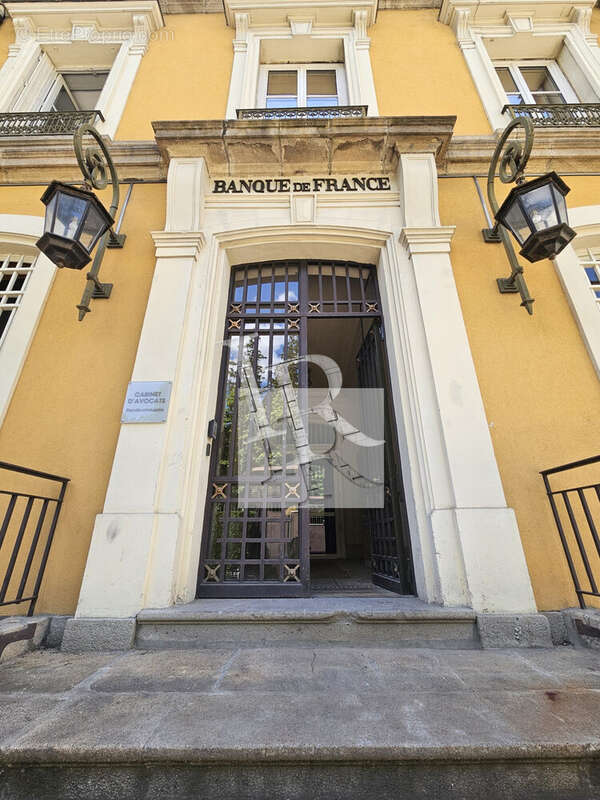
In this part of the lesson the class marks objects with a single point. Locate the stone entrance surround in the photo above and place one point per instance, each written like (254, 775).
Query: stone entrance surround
(466, 544)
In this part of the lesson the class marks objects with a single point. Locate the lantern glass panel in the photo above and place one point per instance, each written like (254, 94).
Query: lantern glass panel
(561, 204)
(93, 227)
(69, 215)
(50, 213)
(539, 207)
(517, 222)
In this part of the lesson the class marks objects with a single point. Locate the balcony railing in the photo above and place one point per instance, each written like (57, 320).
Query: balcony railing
(313, 112)
(45, 123)
(30, 504)
(575, 504)
(566, 115)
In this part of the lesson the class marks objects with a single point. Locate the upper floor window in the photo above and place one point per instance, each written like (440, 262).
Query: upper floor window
(590, 260)
(75, 91)
(15, 271)
(534, 83)
(302, 85)
(86, 60)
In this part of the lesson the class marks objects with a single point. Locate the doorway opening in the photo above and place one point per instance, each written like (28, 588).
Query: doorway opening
(305, 492)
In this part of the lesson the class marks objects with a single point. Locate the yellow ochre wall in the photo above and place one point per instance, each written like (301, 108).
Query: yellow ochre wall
(7, 36)
(539, 387)
(184, 75)
(406, 44)
(64, 416)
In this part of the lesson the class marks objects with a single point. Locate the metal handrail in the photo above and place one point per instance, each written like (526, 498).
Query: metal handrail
(569, 115)
(45, 123)
(306, 112)
(585, 554)
(25, 525)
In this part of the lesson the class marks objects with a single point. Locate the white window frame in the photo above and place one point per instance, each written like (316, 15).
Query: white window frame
(60, 83)
(11, 297)
(569, 265)
(302, 69)
(557, 75)
(590, 259)
(515, 28)
(28, 74)
(18, 234)
(352, 37)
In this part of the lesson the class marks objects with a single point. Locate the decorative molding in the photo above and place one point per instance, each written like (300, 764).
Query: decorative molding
(427, 240)
(304, 209)
(270, 13)
(301, 26)
(577, 148)
(496, 12)
(178, 244)
(251, 147)
(520, 23)
(240, 43)
(115, 17)
(43, 158)
(361, 22)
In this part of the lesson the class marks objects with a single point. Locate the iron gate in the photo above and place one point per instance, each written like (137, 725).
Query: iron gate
(255, 541)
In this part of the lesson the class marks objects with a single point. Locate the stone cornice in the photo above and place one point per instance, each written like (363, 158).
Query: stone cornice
(297, 147)
(42, 158)
(114, 15)
(290, 151)
(567, 150)
(277, 12)
(488, 12)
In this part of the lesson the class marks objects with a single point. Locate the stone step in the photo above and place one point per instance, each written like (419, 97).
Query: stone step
(326, 723)
(383, 621)
(19, 635)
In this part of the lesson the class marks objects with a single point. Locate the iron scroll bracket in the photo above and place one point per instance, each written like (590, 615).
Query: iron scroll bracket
(98, 170)
(512, 156)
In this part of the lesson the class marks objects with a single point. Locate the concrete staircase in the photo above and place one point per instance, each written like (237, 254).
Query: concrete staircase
(348, 621)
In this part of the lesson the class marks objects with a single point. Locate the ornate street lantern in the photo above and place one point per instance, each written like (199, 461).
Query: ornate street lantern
(75, 220)
(536, 214)
(535, 211)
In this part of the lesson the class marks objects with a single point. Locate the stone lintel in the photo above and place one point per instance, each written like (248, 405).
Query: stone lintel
(368, 145)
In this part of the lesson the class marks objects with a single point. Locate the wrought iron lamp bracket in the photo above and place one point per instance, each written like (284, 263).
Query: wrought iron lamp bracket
(512, 157)
(97, 168)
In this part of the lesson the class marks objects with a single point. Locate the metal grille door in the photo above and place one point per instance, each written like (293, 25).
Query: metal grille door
(256, 536)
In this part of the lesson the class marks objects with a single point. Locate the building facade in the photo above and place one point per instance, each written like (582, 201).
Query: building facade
(298, 179)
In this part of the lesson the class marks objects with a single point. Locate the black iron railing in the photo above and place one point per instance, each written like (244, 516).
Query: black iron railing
(29, 514)
(565, 115)
(315, 112)
(45, 123)
(576, 511)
